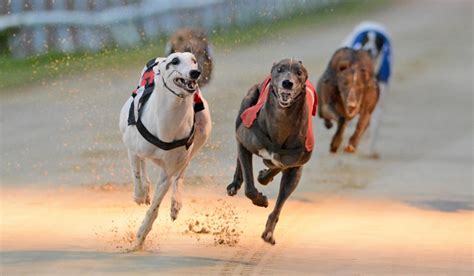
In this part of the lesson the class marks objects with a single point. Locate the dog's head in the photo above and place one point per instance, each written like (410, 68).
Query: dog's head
(372, 42)
(352, 70)
(194, 41)
(180, 73)
(288, 81)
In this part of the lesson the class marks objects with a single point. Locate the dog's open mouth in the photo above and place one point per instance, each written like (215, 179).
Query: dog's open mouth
(285, 98)
(186, 84)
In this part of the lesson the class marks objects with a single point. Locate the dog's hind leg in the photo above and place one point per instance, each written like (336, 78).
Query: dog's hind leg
(140, 194)
(233, 187)
(289, 181)
(251, 192)
(161, 188)
(265, 176)
(337, 139)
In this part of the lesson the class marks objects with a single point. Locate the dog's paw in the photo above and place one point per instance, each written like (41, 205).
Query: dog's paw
(349, 149)
(175, 208)
(142, 196)
(268, 237)
(144, 199)
(333, 149)
(263, 177)
(232, 189)
(257, 198)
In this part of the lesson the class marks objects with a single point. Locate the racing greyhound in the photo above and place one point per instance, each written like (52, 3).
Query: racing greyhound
(274, 122)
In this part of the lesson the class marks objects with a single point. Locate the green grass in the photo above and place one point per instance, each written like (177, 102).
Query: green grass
(44, 68)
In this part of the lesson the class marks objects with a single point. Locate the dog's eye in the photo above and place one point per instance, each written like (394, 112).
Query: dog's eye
(299, 73)
(279, 69)
(175, 61)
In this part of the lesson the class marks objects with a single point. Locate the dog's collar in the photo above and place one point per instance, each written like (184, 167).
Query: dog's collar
(169, 89)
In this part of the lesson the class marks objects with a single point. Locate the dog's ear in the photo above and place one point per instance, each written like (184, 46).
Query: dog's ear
(273, 67)
(169, 49)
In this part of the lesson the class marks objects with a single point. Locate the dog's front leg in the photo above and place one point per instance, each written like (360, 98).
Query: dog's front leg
(161, 188)
(251, 192)
(376, 119)
(233, 187)
(265, 176)
(176, 202)
(337, 139)
(288, 184)
(141, 191)
(362, 125)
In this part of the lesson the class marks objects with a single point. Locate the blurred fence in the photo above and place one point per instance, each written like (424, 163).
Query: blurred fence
(29, 27)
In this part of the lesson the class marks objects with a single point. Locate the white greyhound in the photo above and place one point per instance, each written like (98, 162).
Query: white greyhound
(178, 123)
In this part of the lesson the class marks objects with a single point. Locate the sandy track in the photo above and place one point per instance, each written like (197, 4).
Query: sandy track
(88, 230)
(409, 212)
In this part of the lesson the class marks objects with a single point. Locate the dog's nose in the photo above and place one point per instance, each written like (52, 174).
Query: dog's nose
(194, 74)
(352, 104)
(287, 84)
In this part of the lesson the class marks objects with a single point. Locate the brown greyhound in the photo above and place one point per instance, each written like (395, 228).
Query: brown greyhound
(274, 122)
(347, 88)
(194, 41)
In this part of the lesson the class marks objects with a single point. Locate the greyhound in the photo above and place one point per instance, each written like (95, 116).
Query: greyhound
(274, 122)
(374, 38)
(348, 88)
(196, 41)
(172, 126)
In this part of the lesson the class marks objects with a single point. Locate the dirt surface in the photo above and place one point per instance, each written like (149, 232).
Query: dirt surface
(67, 205)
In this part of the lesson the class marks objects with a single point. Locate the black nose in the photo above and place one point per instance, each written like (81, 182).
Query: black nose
(194, 74)
(287, 84)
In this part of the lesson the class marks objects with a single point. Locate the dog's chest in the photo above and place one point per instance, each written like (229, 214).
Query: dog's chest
(270, 156)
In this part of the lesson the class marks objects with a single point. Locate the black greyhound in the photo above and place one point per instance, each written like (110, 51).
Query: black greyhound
(278, 133)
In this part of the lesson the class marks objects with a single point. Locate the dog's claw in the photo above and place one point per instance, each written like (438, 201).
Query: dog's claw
(268, 237)
(232, 189)
(142, 197)
(349, 149)
(142, 200)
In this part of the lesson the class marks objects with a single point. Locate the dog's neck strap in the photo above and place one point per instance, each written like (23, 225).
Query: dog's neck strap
(169, 89)
(149, 88)
(185, 142)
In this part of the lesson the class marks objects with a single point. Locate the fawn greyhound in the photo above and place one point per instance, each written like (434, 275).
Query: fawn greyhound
(348, 88)
(196, 41)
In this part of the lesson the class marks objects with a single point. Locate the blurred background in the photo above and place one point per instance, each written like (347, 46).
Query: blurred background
(33, 27)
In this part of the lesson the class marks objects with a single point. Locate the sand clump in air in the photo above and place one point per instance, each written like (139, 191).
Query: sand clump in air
(219, 221)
